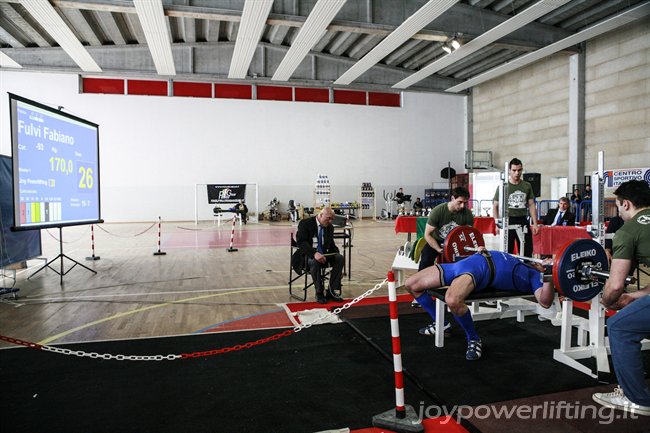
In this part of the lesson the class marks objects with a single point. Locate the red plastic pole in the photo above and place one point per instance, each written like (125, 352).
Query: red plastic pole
(400, 410)
(159, 253)
(92, 244)
(232, 235)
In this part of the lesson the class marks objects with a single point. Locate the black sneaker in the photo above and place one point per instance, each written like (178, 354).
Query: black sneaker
(334, 297)
(320, 298)
(473, 350)
(431, 330)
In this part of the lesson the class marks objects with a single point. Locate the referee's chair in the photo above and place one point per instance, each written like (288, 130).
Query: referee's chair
(299, 268)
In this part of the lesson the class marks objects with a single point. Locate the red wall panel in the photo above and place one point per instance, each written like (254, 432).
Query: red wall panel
(103, 85)
(349, 97)
(147, 87)
(233, 91)
(384, 99)
(197, 90)
(309, 94)
(274, 93)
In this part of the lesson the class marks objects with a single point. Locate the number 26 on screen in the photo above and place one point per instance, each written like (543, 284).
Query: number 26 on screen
(86, 178)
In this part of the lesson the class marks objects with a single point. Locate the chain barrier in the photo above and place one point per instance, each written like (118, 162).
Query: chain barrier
(200, 354)
(62, 241)
(130, 236)
(338, 310)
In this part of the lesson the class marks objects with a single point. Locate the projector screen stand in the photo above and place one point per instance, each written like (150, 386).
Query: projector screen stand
(61, 256)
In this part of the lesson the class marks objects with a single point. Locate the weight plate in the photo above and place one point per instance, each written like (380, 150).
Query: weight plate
(459, 238)
(570, 258)
(419, 246)
(407, 249)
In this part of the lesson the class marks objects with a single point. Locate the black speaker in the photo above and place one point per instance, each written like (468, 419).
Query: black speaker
(447, 173)
(535, 180)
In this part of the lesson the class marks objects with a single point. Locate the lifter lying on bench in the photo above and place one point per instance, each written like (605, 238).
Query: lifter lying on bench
(485, 270)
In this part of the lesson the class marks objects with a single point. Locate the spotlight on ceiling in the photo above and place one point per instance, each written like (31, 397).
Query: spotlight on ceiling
(451, 45)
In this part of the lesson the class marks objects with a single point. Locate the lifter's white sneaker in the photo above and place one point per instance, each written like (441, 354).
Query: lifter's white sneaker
(618, 400)
(431, 330)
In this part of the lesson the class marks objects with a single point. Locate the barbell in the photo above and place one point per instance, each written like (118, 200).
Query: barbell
(580, 267)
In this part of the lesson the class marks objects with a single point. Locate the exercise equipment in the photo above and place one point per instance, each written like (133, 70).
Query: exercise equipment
(579, 269)
(579, 272)
(419, 246)
(458, 240)
(407, 249)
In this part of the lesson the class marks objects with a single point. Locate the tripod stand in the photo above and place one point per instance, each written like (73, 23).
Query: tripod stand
(61, 256)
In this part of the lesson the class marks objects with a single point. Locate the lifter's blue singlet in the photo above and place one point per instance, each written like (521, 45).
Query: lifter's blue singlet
(511, 275)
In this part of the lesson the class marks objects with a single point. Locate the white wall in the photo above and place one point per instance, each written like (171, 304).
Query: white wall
(155, 149)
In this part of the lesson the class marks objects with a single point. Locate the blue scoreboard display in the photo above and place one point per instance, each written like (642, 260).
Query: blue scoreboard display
(55, 166)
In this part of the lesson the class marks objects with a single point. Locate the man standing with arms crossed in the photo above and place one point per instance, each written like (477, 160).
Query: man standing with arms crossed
(520, 197)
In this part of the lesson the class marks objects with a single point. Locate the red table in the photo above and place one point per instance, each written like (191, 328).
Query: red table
(485, 225)
(550, 238)
(409, 224)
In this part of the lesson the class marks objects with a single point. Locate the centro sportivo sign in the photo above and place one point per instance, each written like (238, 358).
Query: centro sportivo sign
(614, 178)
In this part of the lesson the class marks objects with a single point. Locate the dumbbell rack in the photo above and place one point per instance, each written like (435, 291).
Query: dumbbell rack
(322, 191)
(368, 200)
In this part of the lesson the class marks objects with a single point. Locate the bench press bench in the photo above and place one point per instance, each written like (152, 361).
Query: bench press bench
(518, 306)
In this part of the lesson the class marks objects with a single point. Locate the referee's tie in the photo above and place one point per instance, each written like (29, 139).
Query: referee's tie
(558, 219)
(320, 240)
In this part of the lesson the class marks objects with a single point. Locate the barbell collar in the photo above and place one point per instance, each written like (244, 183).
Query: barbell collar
(588, 272)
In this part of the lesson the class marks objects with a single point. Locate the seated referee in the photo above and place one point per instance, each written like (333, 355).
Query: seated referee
(477, 273)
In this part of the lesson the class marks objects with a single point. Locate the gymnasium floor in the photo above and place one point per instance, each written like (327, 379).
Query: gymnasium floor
(199, 287)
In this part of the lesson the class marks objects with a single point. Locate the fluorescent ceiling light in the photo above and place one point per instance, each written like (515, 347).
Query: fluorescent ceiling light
(250, 31)
(154, 24)
(49, 19)
(311, 32)
(591, 32)
(413, 24)
(523, 18)
(7, 62)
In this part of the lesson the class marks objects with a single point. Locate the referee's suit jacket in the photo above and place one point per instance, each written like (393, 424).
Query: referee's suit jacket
(308, 231)
(568, 219)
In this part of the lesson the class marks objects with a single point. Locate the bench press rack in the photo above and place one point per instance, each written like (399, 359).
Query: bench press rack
(591, 339)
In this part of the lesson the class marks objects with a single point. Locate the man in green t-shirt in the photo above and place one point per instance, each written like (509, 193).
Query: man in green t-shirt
(521, 203)
(627, 328)
(442, 219)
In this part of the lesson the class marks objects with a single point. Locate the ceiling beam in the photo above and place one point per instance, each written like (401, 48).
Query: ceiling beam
(8, 62)
(473, 20)
(253, 20)
(310, 33)
(629, 15)
(81, 26)
(523, 18)
(49, 19)
(413, 24)
(154, 25)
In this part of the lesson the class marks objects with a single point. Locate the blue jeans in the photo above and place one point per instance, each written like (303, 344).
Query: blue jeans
(626, 329)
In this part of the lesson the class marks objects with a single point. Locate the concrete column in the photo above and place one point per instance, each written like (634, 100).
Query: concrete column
(469, 123)
(576, 167)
